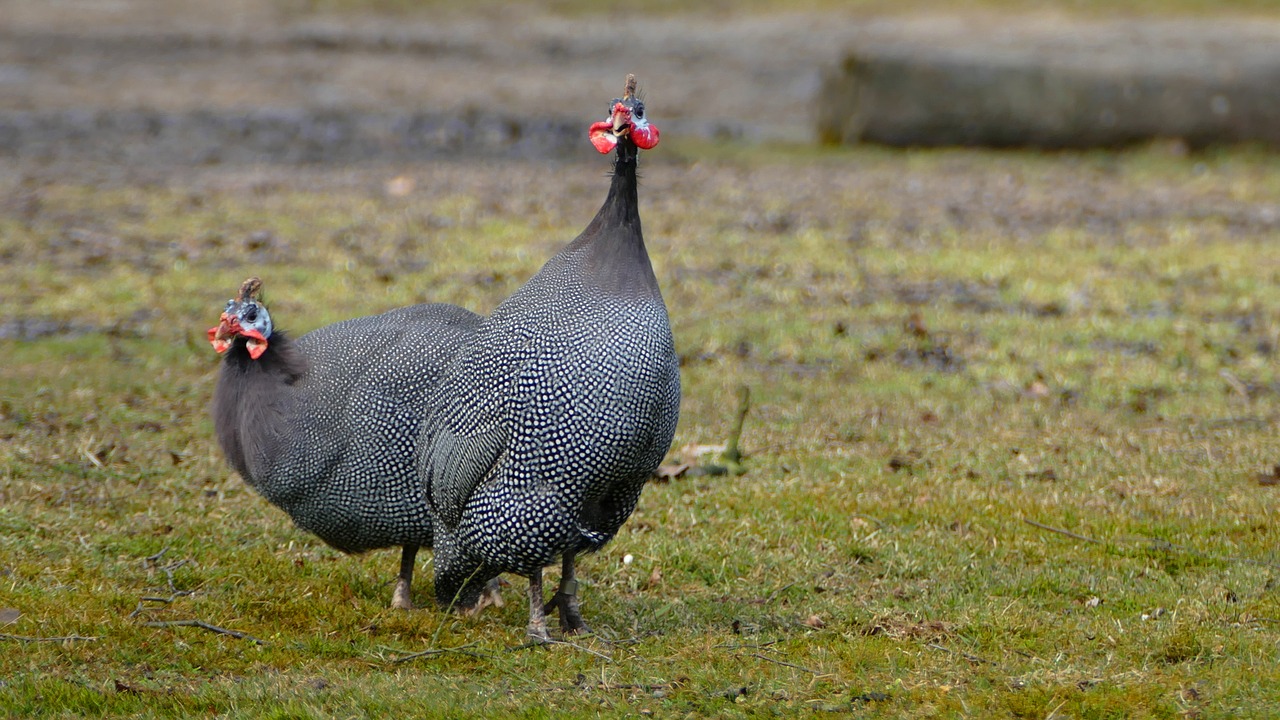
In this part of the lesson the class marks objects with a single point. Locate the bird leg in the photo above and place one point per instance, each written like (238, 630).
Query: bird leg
(566, 600)
(400, 598)
(537, 614)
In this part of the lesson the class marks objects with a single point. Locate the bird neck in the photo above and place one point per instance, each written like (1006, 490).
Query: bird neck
(248, 400)
(613, 244)
(281, 360)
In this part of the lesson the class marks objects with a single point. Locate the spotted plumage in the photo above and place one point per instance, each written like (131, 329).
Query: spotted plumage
(326, 427)
(545, 428)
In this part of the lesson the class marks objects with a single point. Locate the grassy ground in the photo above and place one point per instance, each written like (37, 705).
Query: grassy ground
(951, 354)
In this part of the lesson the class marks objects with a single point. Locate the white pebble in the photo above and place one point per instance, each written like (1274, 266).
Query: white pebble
(626, 559)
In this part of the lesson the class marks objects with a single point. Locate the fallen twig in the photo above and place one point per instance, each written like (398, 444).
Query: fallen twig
(631, 686)
(156, 557)
(961, 653)
(1060, 531)
(773, 595)
(757, 646)
(461, 649)
(875, 521)
(29, 639)
(811, 671)
(553, 641)
(587, 650)
(205, 626)
(174, 592)
(168, 573)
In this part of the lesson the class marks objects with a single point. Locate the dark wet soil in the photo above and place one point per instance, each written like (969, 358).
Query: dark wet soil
(157, 82)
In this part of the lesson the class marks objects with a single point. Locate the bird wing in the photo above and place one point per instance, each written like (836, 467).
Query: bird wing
(453, 464)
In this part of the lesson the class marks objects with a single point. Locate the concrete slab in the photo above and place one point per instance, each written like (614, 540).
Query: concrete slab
(1059, 84)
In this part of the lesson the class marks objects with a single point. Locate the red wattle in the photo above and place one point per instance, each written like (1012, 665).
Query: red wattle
(602, 138)
(256, 344)
(645, 139)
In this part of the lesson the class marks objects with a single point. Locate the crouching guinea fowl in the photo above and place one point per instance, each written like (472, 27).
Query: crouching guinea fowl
(544, 429)
(325, 427)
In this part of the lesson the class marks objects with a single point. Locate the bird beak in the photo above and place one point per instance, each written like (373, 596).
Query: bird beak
(222, 335)
(604, 135)
(621, 120)
(620, 123)
(228, 328)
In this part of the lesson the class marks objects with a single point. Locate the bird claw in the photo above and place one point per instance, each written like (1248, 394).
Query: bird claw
(565, 601)
(491, 596)
(400, 599)
(538, 634)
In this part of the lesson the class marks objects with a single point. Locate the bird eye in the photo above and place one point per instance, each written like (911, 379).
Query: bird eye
(638, 111)
(251, 313)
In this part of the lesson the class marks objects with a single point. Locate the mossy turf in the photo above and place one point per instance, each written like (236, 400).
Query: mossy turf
(1013, 419)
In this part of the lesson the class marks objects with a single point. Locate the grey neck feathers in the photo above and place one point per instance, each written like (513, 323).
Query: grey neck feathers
(615, 258)
(249, 404)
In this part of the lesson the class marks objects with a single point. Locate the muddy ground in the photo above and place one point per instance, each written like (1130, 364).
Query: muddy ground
(274, 96)
(150, 82)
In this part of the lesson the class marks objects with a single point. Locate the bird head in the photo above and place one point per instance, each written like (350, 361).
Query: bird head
(245, 316)
(626, 120)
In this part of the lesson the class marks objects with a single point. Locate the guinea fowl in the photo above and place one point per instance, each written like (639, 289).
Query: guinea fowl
(545, 428)
(325, 427)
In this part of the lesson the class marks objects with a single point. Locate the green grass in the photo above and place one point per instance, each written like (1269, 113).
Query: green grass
(941, 347)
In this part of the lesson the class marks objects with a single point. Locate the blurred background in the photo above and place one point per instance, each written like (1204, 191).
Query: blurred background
(297, 81)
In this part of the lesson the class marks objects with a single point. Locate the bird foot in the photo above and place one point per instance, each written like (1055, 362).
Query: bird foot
(565, 601)
(400, 598)
(538, 634)
(491, 596)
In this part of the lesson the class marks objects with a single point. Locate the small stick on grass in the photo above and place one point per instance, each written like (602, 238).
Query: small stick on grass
(461, 649)
(633, 686)
(587, 650)
(174, 592)
(553, 641)
(205, 626)
(1060, 531)
(965, 655)
(756, 646)
(29, 639)
(773, 595)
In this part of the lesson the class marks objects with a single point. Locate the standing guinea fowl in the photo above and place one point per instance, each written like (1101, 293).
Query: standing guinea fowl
(326, 427)
(545, 428)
